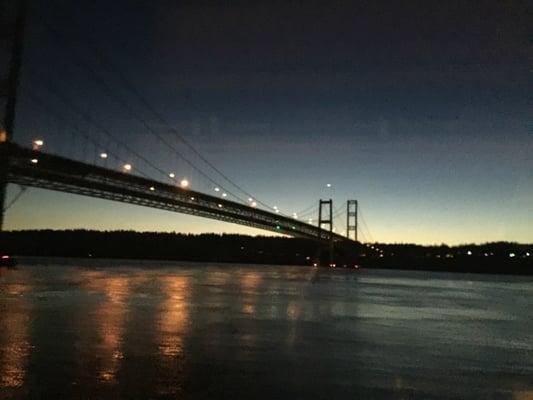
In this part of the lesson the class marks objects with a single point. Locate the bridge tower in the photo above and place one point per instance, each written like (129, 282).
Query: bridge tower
(351, 219)
(325, 217)
(12, 21)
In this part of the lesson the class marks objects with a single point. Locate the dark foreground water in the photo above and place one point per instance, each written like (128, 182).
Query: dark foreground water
(108, 329)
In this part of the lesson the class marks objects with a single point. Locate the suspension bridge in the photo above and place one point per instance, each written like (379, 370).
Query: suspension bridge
(27, 167)
(110, 168)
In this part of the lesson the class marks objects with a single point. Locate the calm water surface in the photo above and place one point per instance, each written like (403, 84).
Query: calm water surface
(112, 329)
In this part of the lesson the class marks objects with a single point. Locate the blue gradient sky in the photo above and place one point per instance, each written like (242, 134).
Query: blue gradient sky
(420, 110)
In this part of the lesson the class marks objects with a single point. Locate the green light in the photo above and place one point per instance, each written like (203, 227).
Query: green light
(278, 227)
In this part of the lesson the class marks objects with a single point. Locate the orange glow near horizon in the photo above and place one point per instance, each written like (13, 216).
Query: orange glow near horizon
(41, 209)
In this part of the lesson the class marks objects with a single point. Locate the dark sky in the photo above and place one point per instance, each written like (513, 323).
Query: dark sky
(421, 110)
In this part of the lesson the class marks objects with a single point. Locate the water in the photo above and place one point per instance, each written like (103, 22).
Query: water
(112, 329)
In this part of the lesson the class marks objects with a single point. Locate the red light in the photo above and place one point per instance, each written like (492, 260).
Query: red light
(332, 265)
(356, 266)
(5, 257)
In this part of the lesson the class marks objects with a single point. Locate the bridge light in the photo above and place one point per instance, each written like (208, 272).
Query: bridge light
(171, 175)
(192, 198)
(254, 204)
(277, 211)
(224, 194)
(511, 255)
(103, 155)
(37, 143)
(152, 188)
(250, 199)
(328, 185)
(127, 167)
(184, 183)
(217, 189)
(219, 205)
(34, 161)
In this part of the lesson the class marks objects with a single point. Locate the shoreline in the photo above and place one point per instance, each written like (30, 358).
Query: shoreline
(492, 258)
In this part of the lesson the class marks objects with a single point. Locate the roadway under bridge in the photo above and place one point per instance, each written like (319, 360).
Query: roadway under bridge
(33, 168)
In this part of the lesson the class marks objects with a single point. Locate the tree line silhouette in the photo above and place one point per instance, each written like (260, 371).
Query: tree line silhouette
(499, 257)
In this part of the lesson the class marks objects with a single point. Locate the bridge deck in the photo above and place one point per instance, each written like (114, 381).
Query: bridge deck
(62, 174)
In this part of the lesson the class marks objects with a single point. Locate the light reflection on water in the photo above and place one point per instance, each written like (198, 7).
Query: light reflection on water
(249, 282)
(172, 327)
(109, 319)
(15, 324)
(523, 395)
(173, 317)
(193, 331)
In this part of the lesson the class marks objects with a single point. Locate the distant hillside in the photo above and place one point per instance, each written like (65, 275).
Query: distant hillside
(501, 257)
(157, 245)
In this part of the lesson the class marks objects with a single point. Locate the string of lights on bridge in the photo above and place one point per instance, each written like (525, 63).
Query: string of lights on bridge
(184, 183)
(127, 167)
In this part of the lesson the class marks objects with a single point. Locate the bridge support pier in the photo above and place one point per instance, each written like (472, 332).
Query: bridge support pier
(325, 217)
(3, 187)
(351, 219)
(12, 16)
